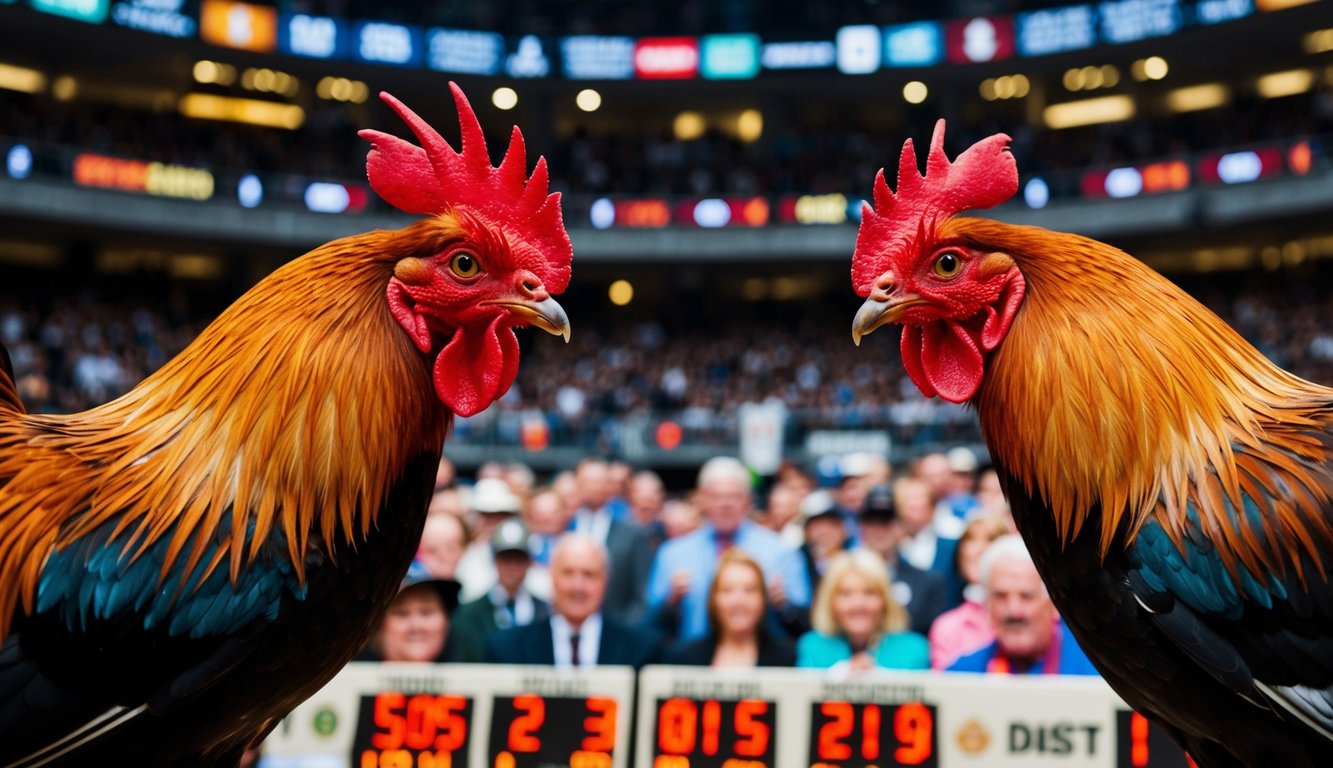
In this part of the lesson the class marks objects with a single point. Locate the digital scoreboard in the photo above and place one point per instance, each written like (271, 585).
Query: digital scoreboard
(483, 716)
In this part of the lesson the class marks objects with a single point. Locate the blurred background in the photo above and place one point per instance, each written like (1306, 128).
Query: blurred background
(162, 155)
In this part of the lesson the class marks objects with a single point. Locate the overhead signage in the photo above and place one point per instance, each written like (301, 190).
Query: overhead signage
(858, 49)
(919, 44)
(1125, 21)
(528, 59)
(159, 179)
(816, 54)
(729, 57)
(1218, 11)
(666, 58)
(597, 57)
(464, 51)
(1056, 30)
(316, 37)
(239, 25)
(980, 39)
(380, 42)
(91, 11)
(161, 17)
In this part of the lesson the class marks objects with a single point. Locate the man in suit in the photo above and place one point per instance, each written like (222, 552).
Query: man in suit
(626, 543)
(925, 594)
(508, 604)
(577, 634)
(930, 536)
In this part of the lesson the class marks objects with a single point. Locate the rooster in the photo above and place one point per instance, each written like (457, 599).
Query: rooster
(182, 566)
(1172, 484)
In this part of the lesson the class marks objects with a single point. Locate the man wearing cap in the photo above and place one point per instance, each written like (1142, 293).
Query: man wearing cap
(491, 503)
(925, 594)
(577, 634)
(508, 604)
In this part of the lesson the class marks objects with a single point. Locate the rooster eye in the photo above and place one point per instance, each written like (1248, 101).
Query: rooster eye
(464, 264)
(948, 264)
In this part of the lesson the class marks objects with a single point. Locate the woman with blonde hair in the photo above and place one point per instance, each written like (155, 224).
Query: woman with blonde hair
(857, 624)
(737, 607)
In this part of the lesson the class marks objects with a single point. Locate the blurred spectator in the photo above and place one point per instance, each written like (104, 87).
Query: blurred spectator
(521, 481)
(625, 542)
(445, 475)
(991, 497)
(858, 626)
(577, 634)
(416, 625)
(508, 604)
(783, 513)
(448, 501)
(443, 540)
(491, 503)
(1030, 638)
(851, 494)
(646, 497)
(967, 627)
(959, 495)
(547, 516)
(929, 536)
(680, 517)
(737, 606)
(825, 535)
(683, 568)
(925, 594)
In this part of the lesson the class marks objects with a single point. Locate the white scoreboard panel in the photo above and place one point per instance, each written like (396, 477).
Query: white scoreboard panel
(458, 716)
(483, 716)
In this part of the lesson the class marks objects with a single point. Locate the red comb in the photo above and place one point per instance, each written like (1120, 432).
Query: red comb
(433, 178)
(983, 176)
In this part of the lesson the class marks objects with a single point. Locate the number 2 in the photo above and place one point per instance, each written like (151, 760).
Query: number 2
(522, 731)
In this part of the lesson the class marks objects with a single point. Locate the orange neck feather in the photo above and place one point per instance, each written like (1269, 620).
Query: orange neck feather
(1115, 388)
(298, 407)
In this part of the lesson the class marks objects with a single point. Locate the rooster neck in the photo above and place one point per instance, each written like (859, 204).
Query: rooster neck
(295, 412)
(1114, 392)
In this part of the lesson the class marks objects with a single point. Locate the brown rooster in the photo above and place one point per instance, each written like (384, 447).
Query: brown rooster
(1174, 486)
(182, 566)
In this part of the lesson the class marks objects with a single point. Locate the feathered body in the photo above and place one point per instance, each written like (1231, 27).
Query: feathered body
(1174, 486)
(182, 566)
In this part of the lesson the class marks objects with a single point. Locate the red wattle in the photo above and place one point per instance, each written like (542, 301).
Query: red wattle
(910, 347)
(952, 361)
(476, 367)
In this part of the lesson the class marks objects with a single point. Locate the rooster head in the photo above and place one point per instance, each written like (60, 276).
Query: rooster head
(955, 301)
(499, 250)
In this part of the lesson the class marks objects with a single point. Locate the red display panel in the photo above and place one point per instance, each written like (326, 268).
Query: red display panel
(530, 731)
(1140, 744)
(709, 733)
(422, 730)
(844, 734)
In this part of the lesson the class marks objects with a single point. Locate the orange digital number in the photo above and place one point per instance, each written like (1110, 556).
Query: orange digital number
(676, 726)
(839, 727)
(453, 726)
(712, 725)
(600, 726)
(586, 759)
(870, 732)
(752, 735)
(912, 726)
(388, 721)
(522, 731)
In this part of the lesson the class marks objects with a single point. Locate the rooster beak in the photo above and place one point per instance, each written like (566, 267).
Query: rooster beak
(879, 312)
(545, 314)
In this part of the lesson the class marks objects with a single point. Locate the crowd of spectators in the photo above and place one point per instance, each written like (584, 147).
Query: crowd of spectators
(838, 152)
(915, 567)
(71, 354)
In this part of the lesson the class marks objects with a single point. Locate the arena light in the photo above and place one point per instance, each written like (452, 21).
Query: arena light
(21, 79)
(505, 98)
(1036, 193)
(602, 214)
(342, 89)
(270, 114)
(265, 80)
(750, 125)
(1151, 68)
(18, 162)
(1318, 41)
(64, 88)
(1197, 97)
(249, 191)
(214, 73)
(688, 125)
(915, 92)
(621, 293)
(1289, 83)
(1005, 87)
(1073, 114)
(588, 100)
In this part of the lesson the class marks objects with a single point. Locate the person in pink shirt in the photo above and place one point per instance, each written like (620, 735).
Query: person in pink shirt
(967, 628)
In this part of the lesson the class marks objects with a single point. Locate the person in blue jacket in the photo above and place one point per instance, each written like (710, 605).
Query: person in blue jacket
(858, 626)
(1030, 638)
